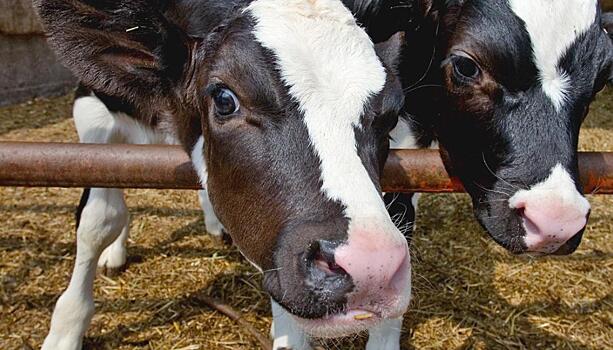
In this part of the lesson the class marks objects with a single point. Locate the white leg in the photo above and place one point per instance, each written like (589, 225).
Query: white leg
(114, 257)
(212, 223)
(96, 124)
(285, 332)
(103, 218)
(386, 336)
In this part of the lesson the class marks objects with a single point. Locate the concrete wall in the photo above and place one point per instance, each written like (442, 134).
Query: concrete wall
(28, 67)
(18, 17)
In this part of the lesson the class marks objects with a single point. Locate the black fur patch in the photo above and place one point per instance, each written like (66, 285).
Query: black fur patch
(81, 206)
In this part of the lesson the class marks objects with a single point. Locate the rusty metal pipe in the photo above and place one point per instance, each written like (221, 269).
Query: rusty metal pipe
(168, 167)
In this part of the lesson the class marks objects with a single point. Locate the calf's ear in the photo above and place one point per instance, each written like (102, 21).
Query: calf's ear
(384, 18)
(607, 24)
(390, 51)
(125, 48)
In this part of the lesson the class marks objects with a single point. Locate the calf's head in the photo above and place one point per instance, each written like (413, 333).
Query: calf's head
(504, 86)
(520, 76)
(285, 109)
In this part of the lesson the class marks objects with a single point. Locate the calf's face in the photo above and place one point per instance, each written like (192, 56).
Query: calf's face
(293, 170)
(520, 76)
(285, 109)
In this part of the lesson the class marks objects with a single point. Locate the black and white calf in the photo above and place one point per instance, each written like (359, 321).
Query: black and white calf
(503, 86)
(285, 109)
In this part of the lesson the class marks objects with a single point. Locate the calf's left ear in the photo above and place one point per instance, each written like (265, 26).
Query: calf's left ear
(123, 48)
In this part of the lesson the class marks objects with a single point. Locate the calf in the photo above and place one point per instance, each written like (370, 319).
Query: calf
(503, 86)
(285, 109)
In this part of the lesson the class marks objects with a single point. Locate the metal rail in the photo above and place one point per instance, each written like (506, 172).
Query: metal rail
(168, 167)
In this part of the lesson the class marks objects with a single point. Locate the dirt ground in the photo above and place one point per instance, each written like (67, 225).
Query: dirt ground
(468, 292)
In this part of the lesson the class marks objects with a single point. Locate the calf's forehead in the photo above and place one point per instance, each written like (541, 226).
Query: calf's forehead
(331, 70)
(554, 26)
(547, 44)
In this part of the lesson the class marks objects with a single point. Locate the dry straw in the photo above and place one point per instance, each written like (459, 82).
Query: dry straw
(468, 293)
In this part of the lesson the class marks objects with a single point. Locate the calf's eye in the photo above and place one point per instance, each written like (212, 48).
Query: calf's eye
(465, 68)
(226, 102)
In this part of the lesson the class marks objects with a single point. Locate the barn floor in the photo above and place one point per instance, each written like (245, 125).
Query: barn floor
(468, 293)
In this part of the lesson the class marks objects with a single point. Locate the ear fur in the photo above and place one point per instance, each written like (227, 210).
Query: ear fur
(126, 49)
(607, 24)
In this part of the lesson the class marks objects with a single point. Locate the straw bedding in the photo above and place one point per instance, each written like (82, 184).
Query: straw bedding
(468, 293)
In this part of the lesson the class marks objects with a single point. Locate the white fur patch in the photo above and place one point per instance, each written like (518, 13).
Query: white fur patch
(553, 26)
(558, 185)
(385, 336)
(286, 332)
(403, 136)
(211, 221)
(198, 161)
(330, 67)
(96, 124)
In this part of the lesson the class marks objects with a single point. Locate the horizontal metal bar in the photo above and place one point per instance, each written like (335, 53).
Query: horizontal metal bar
(168, 167)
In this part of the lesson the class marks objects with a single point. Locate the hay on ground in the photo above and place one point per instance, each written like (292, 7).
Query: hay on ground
(468, 292)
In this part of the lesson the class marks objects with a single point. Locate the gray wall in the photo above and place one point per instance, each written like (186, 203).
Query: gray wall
(17, 17)
(28, 68)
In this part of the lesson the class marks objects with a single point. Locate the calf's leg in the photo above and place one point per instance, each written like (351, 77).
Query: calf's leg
(212, 223)
(103, 218)
(385, 336)
(285, 332)
(95, 123)
(102, 221)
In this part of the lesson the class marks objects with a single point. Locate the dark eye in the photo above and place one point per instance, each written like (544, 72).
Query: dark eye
(226, 102)
(465, 68)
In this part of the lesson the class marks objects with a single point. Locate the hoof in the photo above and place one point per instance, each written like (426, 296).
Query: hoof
(111, 271)
(223, 238)
(113, 260)
(226, 238)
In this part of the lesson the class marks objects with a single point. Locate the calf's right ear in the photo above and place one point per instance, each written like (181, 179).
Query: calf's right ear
(125, 48)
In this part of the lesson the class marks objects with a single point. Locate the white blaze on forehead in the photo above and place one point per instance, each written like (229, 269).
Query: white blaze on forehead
(553, 26)
(331, 69)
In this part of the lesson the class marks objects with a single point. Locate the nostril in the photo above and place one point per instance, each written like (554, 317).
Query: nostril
(530, 225)
(322, 256)
(547, 226)
(330, 268)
